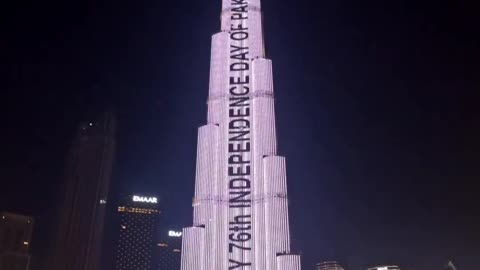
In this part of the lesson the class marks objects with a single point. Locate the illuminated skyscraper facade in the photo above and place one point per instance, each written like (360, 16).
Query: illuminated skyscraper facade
(82, 213)
(138, 218)
(15, 239)
(385, 267)
(329, 265)
(240, 204)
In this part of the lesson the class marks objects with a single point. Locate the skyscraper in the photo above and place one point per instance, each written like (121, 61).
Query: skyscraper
(385, 267)
(168, 250)
(240, 205)
(329, 265)
(82, 213)
(137, 233)
(15, 238)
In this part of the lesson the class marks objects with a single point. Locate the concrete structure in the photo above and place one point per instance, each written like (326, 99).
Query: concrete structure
(80, 230)
(240, 205)
(15, 240)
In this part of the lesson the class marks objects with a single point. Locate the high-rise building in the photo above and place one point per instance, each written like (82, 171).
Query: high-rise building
(329, 265)
(168, 250)
(15, 239)
(385, 267)
(137, 233)
(82, 213)
(240, 218)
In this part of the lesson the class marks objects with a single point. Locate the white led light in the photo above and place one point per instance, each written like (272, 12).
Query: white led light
(145, 199)
(240, 207)
(174, 234)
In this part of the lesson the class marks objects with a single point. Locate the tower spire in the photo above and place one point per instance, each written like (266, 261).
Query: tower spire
(240, 204)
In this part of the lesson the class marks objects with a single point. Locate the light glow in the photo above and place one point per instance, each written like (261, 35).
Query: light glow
(145, 199)
(240, 206)
(174, 234)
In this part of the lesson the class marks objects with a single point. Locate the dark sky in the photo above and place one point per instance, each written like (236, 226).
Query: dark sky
(377, 114)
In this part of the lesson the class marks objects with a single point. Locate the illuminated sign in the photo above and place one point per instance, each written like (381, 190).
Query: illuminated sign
(174, 234)
(145, 199)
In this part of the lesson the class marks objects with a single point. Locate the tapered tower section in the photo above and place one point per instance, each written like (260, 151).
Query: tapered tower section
(240, 204)
(82, 213)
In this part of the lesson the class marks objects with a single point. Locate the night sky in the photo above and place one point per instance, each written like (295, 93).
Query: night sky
(377, 113)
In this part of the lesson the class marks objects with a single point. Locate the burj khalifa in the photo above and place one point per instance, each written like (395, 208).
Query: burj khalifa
(240, 218)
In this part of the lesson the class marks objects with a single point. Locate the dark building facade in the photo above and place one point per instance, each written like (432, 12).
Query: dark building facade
(138, 224)
(168, 250)
(15, 240)
(80, 229)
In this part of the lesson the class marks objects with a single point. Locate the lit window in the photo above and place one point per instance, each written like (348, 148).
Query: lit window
(25, 243)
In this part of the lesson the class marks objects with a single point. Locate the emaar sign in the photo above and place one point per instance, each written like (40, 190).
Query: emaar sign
(145, 199)
(174, 234)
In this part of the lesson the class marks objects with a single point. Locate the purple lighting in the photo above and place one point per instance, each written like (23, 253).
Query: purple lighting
(240, 205)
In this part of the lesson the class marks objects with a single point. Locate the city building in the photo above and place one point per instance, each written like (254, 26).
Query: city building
(385, 267)
(168, 250)
(329, 265)
(240, 206)
(137, 233)
(15, 240)
(81, 219)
